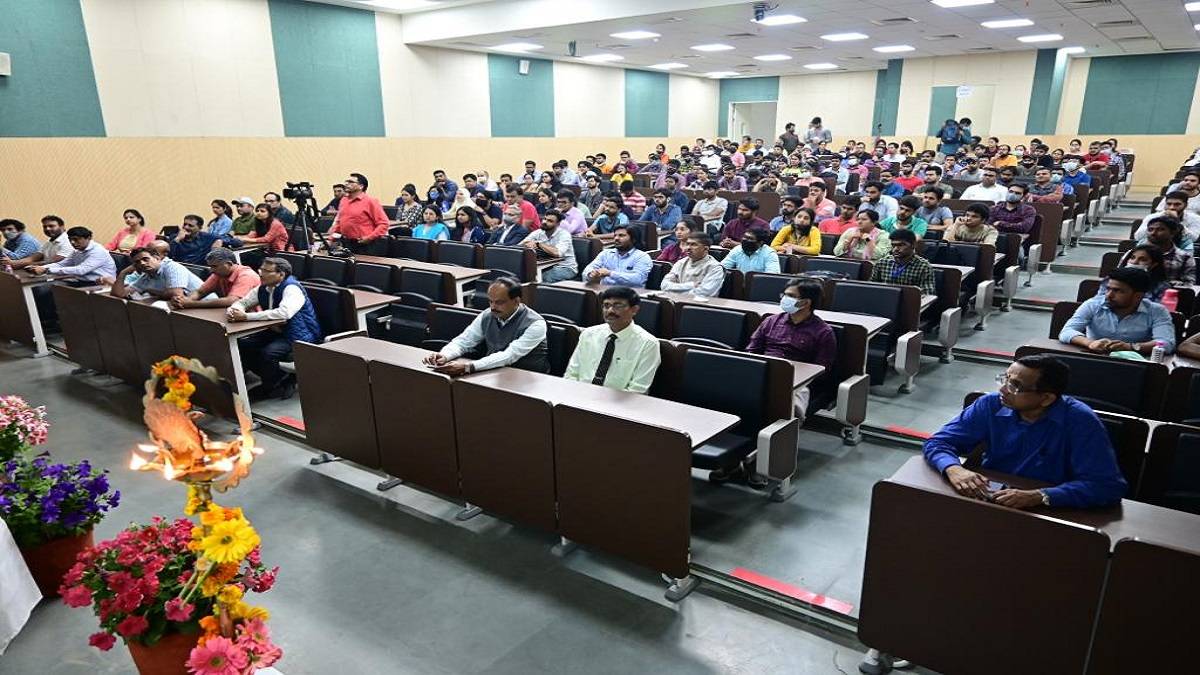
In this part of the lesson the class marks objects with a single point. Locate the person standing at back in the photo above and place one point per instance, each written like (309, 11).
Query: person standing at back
(816, 134)
(618, 354)
(789, 138)
(360, 218)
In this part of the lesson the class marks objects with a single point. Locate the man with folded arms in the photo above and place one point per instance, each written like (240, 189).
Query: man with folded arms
(510, 333)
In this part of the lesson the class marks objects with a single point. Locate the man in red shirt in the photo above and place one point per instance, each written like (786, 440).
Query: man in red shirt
(229, 280)
(514, 196)
(906, 179)
(360, 219)
(1095, 159)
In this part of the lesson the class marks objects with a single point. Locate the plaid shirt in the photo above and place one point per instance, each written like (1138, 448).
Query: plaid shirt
(917, 272)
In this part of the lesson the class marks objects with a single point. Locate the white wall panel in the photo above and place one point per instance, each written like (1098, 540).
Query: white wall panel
(1010, 72)
(843, 101)
(693, 107)
(589, 101)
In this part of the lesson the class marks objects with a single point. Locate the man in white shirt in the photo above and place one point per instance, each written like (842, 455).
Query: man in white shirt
(698, 272)
(986, 189)
(554, 240)
(618, 353)
(1174, 204)
(56, 249)
(711, 208)
(88, 260)
(279, 296)
(509, 333)
(875, 200)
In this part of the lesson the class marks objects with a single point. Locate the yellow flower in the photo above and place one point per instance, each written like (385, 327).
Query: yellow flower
(229, 595)
(215, 514)
(193, 502)
(211, 586)
(241, 610)
(229, 541)
(224, 572)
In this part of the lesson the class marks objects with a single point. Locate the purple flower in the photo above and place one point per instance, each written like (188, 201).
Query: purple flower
(115, 499)
(50, 515)
(84, 468)
(54, 470)
(5, 503)
(73, 519)
(97, 486)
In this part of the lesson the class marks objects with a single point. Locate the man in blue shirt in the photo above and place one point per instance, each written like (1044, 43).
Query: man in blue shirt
(621, 265)
(662, 212)
(18, 244)
(192, 244)
(161, 278)
(753, 255)
(1122, 319)
(1073, 176)
(787, 210)
(610, 217)
(1031, 430)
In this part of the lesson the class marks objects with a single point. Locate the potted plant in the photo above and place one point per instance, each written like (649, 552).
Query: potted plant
(174, 592)
(22, 426)
(51, 510)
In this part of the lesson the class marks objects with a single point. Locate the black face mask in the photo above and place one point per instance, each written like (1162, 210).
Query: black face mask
(750, 247)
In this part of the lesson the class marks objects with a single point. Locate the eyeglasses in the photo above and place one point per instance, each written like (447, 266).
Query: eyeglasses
(1007, 384)
(615, 306)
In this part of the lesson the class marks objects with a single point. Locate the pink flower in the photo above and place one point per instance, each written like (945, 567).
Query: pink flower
(102, 641)
(77, 596)
(218, 656)
(129, 601)
(253, 631)
(254, 557)
(262, 583)
(178, 611)
(121, 582)
(132, 625)
(74, 575)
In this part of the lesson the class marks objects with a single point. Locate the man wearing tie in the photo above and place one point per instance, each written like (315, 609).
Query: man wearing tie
(619, 354)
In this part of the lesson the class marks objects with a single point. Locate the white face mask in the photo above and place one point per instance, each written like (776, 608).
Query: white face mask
(1138, 266)
(11, 235)
(789, 305)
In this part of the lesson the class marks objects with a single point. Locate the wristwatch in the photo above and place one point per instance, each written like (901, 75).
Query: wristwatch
(1045, 498)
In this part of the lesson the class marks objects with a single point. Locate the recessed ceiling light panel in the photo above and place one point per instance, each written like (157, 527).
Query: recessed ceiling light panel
(821, 66)
(635, 35)
(669, 66)
(773, 57)
(780, 20)
(1048, 37)
(714, 47)
(961, 3)
(602, 58)
(844, 37)
(517, 47)
(895, 49)
(1007, 23)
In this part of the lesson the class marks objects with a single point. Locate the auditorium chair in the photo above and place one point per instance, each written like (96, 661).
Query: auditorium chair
(656, 316)
(574, 306)
(852, 269)
(1007, 273)
(586, 250)
(945, 314)
(458, 253)
(201, 271)
(328, 271)
(298, 261)
(845, 388)
(561, 339)
(766, 286)
(901, 340)
(409, 315)
(1171, 477)
(410, 248)
(373, 277)
(334, 308)
(711, 327)
(251, 258)
(828, 243)
(978, 288)
(445, 323)
(1135, 388)
(658, 270)
(390, 210)
(119, 259)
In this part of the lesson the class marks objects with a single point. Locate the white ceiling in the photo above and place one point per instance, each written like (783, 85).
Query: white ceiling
(1102, 27)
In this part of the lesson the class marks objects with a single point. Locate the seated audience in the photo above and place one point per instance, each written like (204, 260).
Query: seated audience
(1123, 319)
(611, 217)
(1044, 189)
(932, 211)
(227, 281)
(697, 272)
(529, 215)
(1150, 258)
(972, 226)
(622, 264)
(431, 226)
(510, 232)
(1174, 204)
(747, 219)
(633, 201)
(360, 218)
(278, 297)
(711, 207)
(157, 277)
(864, 241)
(618, 354)
(573, 220)
(986, 190)
(192, 244)
(904, 267)
(56, 248)
(222, 220)
(787, 209)
(845, 219)
(553, 241)
(243, 224)
(18, 244)
(331, 208)
(88, 261)
(1013, 214)
(510, 333)
(278, 211)
(408, 207)
(818, 202)
(267, 231)
(133, 235)
(753, 254)
(1179, 264)
(674, 250)
(591, 196)
(932, 178)
(874, 200)
(730, 181)
(469, 225)
(662, 212)
(800, 236)
(905, 218)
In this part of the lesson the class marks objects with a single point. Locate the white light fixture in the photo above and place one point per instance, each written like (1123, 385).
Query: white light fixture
(401, 5)
(721, 73)
(1007, 23)
(773, 57)
(895, 49)
(714, 47)
(844, 37)
(961, 3)
(821, 66)
(779, 20)
(1197, 26)
(1072, 50)
(1048, 37)
(517, 47)
(1192, 6)
(602, 58)
(668, 66)
(634, 35)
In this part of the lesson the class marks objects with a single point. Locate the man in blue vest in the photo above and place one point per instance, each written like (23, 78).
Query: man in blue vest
(279, 296)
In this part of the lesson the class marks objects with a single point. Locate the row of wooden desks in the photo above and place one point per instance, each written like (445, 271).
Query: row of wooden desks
(567, 457)
(965, 586)
(20, 320)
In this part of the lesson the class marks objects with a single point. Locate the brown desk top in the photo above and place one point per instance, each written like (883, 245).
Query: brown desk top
(927, 301)
(370, 300)
(1128, 520)
(459, 273)
(1055, 345)
(699, 424)
(964, 269)
(381, 350)
(217, 315)
(28, 279)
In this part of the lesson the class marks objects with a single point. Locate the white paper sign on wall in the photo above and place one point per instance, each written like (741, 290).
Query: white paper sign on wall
(963, 91)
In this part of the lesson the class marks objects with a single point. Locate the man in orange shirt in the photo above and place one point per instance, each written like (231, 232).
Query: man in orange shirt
(229, 280)
(360, 218)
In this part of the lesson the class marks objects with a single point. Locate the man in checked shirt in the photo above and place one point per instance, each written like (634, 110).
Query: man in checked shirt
(905, 267)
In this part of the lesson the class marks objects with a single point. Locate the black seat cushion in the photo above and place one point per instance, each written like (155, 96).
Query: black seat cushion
(723, 451)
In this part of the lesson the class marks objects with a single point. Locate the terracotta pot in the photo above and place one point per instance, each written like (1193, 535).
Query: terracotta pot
(168, 656)
(48, 562)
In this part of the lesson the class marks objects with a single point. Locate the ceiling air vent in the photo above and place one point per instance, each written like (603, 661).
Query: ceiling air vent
(894, 21)
(1123, 23)
(464, 43)
(981, 49)
(740, 36)
(804, 48)
(947, 36)
(669, 19)
(1088, 4)
(616, 46)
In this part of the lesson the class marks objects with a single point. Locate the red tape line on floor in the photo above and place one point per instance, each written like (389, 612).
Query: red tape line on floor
(291, 422)
(770, 583)
(897, 429)
(997, 352)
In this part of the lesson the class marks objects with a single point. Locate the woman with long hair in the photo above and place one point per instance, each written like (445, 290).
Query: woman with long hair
(222, 220)
(1150, 258)
(674, 251)
(431, 226)
(408, 207)
(800, 236)
(866, 241)
(470, 226)
(133, 235)
(267, 231)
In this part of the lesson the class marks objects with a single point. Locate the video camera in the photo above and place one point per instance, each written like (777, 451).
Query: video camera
(298, 191)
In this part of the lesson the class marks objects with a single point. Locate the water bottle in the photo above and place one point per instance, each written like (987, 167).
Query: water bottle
(1159, 353)
(1170, 299)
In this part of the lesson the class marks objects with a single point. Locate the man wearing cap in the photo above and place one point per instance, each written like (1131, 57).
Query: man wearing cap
(244, 223)
(360, 219)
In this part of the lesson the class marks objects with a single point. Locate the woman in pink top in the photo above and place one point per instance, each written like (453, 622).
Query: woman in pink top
(135, 234)
(267, 230)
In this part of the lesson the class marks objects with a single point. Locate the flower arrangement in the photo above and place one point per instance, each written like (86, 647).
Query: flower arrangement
(41, 501)
(177, 381)
(174, 576)
(22, 426)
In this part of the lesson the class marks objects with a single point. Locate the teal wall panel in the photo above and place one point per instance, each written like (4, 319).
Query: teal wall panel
(327, 63)
(943, 102)
(52, 91)
(1046, 96)
(744, 89)
(1144, 94)
(522, 105)
(647, 101)
(887, 98)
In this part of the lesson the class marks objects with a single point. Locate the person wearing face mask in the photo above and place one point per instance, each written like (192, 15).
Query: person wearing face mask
(971, 172)
(622, 264)
(800, 235)
(798, 334)
(1179, 266)
(1013, 215)
(1150, 258)
(18, 244)
(1073, 174)
(1044, 189)
(489, 213)
(1094, 159)
(510, 232)
(1174, 204)
(1109, 148)
(753, 254)
(56, 249)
